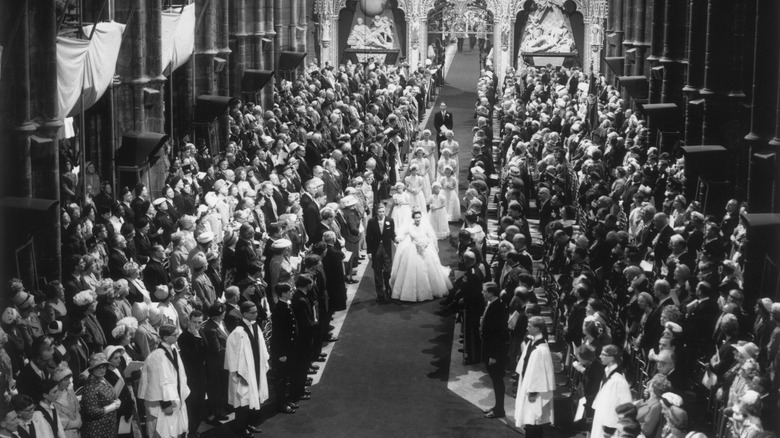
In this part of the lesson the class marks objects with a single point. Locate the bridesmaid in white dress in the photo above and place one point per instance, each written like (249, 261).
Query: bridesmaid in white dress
(423, 169)
(450, 144)
(449, 185)
(429, 146)
(414, 186)
(438, 215)
(417, 273)
(448, 160)
(402, 209)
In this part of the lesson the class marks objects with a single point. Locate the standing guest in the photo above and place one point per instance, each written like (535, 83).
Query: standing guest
(468, 296)
(202, 286)
(534, 406)
(216, 335)
(24, 406)
(146, 337)
(351, 233)
(163, 387)
(282, 347)
(246, 359)
(649, 408)
(332, 261)
(45, 420)
(99, 403)
(76, 349)
(38, 369)
(307, 325)
(194, 355)
(614, 392)
(592, 374)
(67, 404)
(154, 273)
(232, 309)
(9, 421)
(494, 332)
(117, 362)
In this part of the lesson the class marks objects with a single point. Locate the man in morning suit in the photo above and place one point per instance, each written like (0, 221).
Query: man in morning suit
(442, 119)
(245, 251)
(494, 331)
(380, 235)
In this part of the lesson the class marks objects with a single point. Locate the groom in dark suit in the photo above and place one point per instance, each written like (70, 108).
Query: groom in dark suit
(442, 119)
(380, 235)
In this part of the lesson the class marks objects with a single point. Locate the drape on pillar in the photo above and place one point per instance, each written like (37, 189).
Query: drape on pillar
(178, 37)
(85, 67)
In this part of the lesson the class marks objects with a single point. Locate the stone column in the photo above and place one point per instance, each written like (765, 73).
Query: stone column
(694, 76)
(223, 47)
(640, 41)
(206, 49)
(258, 32)
(673, 53)
(716, 71)
(154, 119)
(412, 40)
(238, 44)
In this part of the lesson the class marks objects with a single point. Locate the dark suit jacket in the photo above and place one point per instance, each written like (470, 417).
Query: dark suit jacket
(285, 334)
(661, 248)
(233, 317)
(154, 275)
(304, 317)
(332, 186)
(439, 121)
(574, 323)
(311, 216)
(332, 264)
(495, 332)
(116, 263)
(374, 239)
(245, 255)
(193, 356)
(653, 329)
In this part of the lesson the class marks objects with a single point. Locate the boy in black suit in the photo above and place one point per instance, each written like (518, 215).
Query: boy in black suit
(380, 234)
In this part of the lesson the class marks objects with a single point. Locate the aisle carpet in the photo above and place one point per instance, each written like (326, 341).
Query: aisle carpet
(387, 374)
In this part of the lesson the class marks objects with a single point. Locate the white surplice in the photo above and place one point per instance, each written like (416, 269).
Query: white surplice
(614, 392)
(159, 383)
(240, 361)
(539, 377)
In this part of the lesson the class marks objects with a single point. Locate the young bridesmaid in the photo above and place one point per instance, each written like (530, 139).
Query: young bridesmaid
(438, 215)
(402, 209)
(449, 185)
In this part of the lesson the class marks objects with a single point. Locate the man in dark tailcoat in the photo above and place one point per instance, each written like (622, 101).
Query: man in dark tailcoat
(380, 235)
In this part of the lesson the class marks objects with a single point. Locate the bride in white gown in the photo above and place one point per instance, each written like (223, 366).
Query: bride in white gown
(417, 273)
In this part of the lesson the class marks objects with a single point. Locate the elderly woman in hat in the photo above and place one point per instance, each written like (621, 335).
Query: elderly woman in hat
(649, 408)
(99, 403)
(145, 337)
(280, 269)
(67, 404)
(351, 232)
(117, 363)
(137, 292)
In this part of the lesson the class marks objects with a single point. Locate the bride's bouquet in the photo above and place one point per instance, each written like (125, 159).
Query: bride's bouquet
(421, 245)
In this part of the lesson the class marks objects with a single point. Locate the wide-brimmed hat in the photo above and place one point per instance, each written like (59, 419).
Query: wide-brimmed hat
(748, 350)
(96, 360)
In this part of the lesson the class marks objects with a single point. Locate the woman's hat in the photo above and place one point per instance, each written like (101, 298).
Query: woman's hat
(96, 360)
(349, 201)
(157, 202)
(205, 237)
(61, 373)
(748, 350)
(281, 244)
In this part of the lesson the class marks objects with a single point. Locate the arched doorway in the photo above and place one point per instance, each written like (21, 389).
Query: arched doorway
(468, 20)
